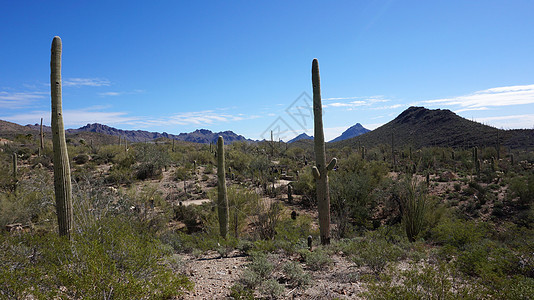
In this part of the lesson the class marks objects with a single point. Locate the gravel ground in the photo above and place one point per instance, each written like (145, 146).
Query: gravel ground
(213, 276)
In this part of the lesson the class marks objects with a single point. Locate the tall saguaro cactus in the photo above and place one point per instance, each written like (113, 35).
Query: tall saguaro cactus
(320, 170)
(222, 198)
(62, 184)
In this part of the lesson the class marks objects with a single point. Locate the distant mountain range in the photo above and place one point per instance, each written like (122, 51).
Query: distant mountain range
(421, 127)
(416, 126)
(353, 131)
(202, 136)
(302, 136)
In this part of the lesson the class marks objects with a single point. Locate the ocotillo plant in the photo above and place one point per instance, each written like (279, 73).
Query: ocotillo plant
(62, 184)
(222, 198)
(320, 170)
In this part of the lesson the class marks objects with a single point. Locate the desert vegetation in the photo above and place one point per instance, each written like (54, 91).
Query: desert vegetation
(404, 222)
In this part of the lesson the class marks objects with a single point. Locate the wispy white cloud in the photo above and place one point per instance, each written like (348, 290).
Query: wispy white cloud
(76, 82)
(75, 118)
(206, 117)
(110, 94)
(80, 117)
(525, 121)
(349, 105)
(113, 93)
(499, 96)
(388, 106)
(15, 100)
(340, 98)
(470, 109)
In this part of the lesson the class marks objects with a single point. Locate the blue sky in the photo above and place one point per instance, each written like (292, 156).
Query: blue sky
(245, 66)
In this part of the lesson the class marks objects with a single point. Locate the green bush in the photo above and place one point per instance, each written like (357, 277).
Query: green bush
(420, 282)
(317, 259)
(296, 276)
(113, 259)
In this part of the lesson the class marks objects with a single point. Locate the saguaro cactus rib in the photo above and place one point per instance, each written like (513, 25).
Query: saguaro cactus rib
(62, 184)
(320, 171)
(222, 198)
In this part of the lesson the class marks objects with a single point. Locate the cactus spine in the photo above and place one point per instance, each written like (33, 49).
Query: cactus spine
(222, 199)
(320, 170)
(62, 184)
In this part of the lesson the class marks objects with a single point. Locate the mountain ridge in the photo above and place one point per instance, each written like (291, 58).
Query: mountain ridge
(302, 136)
(421, 127)
(353, 131)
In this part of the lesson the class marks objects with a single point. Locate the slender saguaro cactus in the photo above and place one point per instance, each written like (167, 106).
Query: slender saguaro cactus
(15, 169)
(320, 170)
(41, 136)
(62, 184)
(222, 199)
(14, 165)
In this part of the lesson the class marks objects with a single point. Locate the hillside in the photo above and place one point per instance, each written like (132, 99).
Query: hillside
(422, 127)
(353, 131)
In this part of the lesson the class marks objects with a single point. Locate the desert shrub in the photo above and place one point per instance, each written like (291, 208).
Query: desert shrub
(45, 161)
(242, 204)
(258, 270)
(152, 159)
(119, 175)
(375, 252)
(181, 173)
(420, 282)
(258, 276)
(106, 154)
(523, 188)
(81, 159)
(271, 288)
(305, 186)
(296, 276)
(291, 235)
(201, 157)
(238, 160)
(32, 203)
(317, 259)
(93, 265)
(457, 233)
(239, 292)
(266, 217)
(486, 259)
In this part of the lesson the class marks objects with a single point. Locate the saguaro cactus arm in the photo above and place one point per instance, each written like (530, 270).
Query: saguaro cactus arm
(62, 184)
(332, 164)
